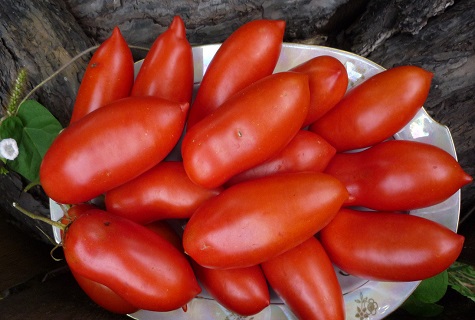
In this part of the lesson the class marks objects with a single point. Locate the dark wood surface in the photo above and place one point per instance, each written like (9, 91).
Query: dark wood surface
(436, 34)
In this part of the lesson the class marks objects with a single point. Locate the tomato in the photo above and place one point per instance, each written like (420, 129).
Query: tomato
(255, 220)
(110, 146)
(376, 109)
(249, 128)
(140, 266)
(109, 76)
(247, 55)
(99, 293)
(389, 246)
(398, 175)
(307, 151)
(162, 192)
(328, 81)
(167, 70)
(304, 278)
(241, 290)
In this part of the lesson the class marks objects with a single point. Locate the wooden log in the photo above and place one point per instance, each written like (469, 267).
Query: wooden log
(206, 21)
(383, 19)
(39, 36)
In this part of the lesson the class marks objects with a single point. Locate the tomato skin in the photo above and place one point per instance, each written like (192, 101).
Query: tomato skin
(250, 53)
(389, 246)
(163, 192)
(398, 175)
(249, 128)
(103, 296)
(167, 70)
(109, 76)
(376, 109)
(110, 146)
(328, 81)
(241, 290)
(305, 280)
(140, 266)
(307, 151)
(255, 220)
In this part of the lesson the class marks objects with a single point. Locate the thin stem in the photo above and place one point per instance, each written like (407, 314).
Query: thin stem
(54, 74)
(38, 217)
(139, 48)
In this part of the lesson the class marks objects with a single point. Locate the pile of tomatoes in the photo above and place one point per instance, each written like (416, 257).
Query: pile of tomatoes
(267, 190)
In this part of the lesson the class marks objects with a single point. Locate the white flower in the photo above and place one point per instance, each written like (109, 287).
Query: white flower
(8, 149)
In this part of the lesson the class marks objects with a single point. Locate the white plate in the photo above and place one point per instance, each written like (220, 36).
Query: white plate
(377, 299)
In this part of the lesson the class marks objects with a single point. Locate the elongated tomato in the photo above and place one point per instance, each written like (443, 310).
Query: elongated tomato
(256, 220)
(249, 128)
(305, 280)
(398, 175)
(376, 109)
(97, 292)
(328, 81)
(307, 151)
(389, 246)
(140, 266)
(163, 192)
(241, 290)
(109, 76)
(167, 70)
(247, 55)
(110, 146)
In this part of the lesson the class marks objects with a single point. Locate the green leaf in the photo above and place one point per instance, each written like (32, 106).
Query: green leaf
(41, 127)
(34, 128)
(461, 278)
(421, 309)
(433, 289)
(422, 302)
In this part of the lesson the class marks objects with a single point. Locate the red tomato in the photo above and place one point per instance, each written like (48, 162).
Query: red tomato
(249, 128)
(110, 146)
(389, 246)
(241, 290)
(162, 192)
(256, 220)
(140, 266)
(167, 70)
(398, 175)
(376, 109)
(247, 55)
(328, 81)
(305, 280)
(109, 76)
(99, 293)
(307, 151)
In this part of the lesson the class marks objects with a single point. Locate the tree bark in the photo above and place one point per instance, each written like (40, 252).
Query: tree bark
(206, 21)
(39, 36)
